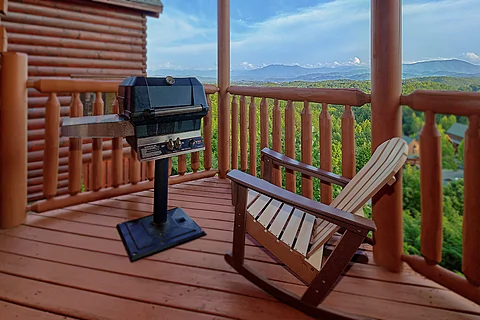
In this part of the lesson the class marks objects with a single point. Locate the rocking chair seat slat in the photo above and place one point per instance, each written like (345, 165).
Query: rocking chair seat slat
(257, 206)
(303, 239)
(292, 227)
(252, 195)
(269, 212)
(283, 214)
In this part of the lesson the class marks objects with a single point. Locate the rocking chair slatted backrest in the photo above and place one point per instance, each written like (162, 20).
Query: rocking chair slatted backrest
(387, 159)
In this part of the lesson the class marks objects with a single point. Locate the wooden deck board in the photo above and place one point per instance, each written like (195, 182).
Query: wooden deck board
(75, 254)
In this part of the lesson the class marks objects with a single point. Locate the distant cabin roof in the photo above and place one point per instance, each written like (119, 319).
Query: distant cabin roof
(407, 139)
(458, 129)
(150, 7)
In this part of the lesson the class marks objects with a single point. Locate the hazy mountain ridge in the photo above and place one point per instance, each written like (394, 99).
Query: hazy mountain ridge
(282, 73)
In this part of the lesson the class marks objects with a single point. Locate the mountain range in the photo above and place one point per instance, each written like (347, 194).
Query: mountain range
(284, 73)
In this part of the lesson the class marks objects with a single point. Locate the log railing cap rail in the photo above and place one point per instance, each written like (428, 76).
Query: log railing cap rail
(47, 85)
(210, 88)
(443, 102)
(73, 85)
(351, 97)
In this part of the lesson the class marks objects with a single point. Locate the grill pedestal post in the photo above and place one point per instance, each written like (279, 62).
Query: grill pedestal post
(160, 195)
(164, 229)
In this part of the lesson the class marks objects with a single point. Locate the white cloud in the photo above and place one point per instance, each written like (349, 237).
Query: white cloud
(247, 66)
(333, 31)
(473, 57)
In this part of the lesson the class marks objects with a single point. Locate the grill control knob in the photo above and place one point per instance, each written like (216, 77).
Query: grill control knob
(170, 144)
(178, 143)
(191, 143)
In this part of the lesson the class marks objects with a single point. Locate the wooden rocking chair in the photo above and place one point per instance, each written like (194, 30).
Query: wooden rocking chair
(295, 229)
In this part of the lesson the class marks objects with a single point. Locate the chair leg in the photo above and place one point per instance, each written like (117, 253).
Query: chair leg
(284, 296)
(327, 277)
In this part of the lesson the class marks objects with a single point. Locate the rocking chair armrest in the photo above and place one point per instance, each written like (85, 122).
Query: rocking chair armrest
(347, 220)
(289, 163)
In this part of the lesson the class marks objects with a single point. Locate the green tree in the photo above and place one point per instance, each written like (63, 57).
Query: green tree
(461, 152)
(447, 121)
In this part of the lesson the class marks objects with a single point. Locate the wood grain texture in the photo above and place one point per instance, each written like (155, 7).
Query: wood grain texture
(325, 152)
(76, 253)
(75, 150)
(277, 140)
(207, 136)
(348, 143)
(252, 130)
(431, 191)
(306, 145)
(471, 216)
(50, 158)
(234, 132)
(243, 134)
(291, 184)
(353, 97)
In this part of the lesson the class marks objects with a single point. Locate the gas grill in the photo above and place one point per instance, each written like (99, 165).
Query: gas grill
(160, 117)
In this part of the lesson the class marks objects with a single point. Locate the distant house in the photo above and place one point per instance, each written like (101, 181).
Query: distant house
(451, 175)
(456, 133)
(413, 150)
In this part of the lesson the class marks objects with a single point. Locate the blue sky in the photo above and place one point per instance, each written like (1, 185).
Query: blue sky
(307, 32)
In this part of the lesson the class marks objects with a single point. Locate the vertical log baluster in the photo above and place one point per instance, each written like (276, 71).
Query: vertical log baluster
(263, 128)
(195, 161)
(134, 169)
(243, 134)
(348, 143)
(207, 136)
(50, 153)
(97, 153)
(307, 183)
(290, 144)
(151, 170)
(86, 176)
(252, 128)
(75, 150)
(471, 216)
(170, 165)
(277, 140)
(105, 174)
(325, 152)
(182, 164)
(431, 191)
(126, 167)
(117, 153)
(234, 133)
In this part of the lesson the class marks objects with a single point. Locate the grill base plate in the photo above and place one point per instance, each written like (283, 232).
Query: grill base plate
(142, 237)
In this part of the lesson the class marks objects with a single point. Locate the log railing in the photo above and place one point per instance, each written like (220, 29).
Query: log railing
(70, 171)
(459, 104)
(283, 106)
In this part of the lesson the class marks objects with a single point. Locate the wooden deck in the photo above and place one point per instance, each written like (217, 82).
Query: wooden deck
(71, 263)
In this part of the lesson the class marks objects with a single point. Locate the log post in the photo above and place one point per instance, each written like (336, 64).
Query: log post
(13, 139)
(386, 56)
(223, 83)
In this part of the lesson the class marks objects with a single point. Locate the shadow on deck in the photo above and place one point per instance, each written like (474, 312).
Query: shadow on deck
(71, 263)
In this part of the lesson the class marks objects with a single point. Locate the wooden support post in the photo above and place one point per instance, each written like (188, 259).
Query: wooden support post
(223, 83)
(386, 124)
(13, 139)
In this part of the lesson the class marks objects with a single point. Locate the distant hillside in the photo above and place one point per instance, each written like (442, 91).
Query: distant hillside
(283, 73)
